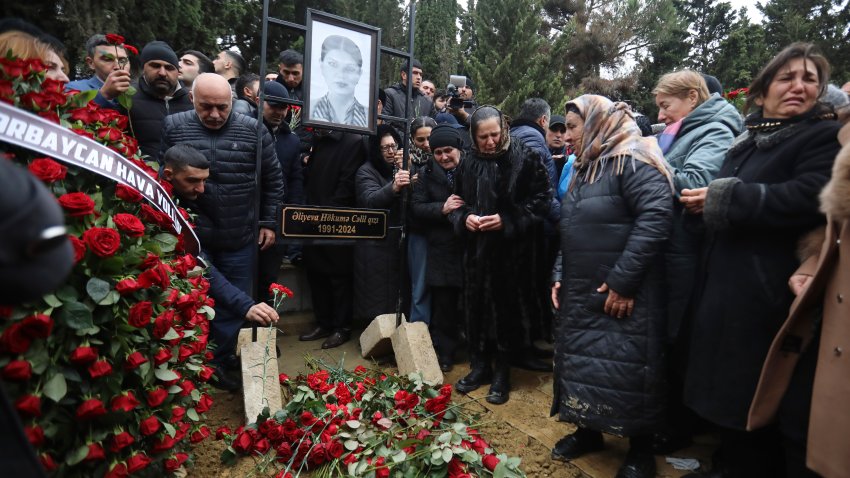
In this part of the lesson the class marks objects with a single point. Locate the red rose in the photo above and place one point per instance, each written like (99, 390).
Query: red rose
(121, 441)
(124, 403)
(307, 419)
(335, 449)
(243, 442)
(95, 453)
(29, 405)
(47, 170)
(77, 204)
(7, 92)
(47, 462)
(101, 368)
(150, 214)
(137, 462)
(283, 378)
(283, 452)
(204, 404)
(103, 241)
(14, 339)
(221, 432)
(128, 194)
(186, 387)
(119, 470)
(149, 425)
(203, 432)
(156, 396)
(83, 355)
(130, 224)
(35, 435)
(114, 39)
(318, 455)
(490, 462)
(43, 100)
(91, 408)
(134, 360)
(17, 370)
(163, 355)
(172, 464)
(165, 442)
(38, 326)
(206, 373)
(79, 248)
(177, 413)
(157, 275)
(110, 134)
(140, 314)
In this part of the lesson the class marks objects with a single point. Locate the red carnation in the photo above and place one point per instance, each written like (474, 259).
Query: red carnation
(121, 441)
(47, 170)
(101, 368)
(137, 462)
(79, 248)
(114, 39)
(283, 378)
(130, 224)
(29, 405)
(103, 241)
(126, 193)
(156, 396)
(95, 453)
(83, 355)
(140, 314)
(124, 403)
(14, 339)
(38, 326)
(91, 408)
(77, 204)
(35, 435)
(134, 360)
(17, 370)
(204, 404)
(280, 289)
(149, 425)
(131, 49)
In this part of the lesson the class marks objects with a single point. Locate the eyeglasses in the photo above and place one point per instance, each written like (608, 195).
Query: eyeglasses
(389, 148)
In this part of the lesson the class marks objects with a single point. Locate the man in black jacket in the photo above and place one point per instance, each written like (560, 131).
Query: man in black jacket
(158, 95)
(226, 222)
(419, 105)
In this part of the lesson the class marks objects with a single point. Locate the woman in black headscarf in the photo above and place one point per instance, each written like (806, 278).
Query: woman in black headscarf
(505, 189)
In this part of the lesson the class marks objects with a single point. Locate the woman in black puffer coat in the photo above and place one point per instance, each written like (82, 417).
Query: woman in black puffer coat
(609, 285)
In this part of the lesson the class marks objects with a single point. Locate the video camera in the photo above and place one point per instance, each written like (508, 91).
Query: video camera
(455, 101)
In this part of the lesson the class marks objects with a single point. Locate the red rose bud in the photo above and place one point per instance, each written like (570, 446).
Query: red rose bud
(149, 425)
(17, 371)
(47, 170)
(129, 224)
(114, 39)
(101, 368)
(103, 241)
(162, 356)
(202, 433)
(156, 396)
(134, 360)
(184, 352)
(186, 386)
(29, 405)
(221, 432)
(35, 435)
(157, 275)
(204, 404)
(77, 204)
(47, 462)
(490, 462)
(124, 403)
(91, 408)
(137, 462)
(95, 453)
(177, 414)
(83, 355)
(38, 326)
(119, 470)
(127, 286)
(79, 248)
(140, 314)
(121, 441)
(14, 339)
(206, 373)
(283, 378)
(243, 443)
(128, 194)
(165, 442)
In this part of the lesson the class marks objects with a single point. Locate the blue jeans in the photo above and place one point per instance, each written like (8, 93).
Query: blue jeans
(417, 259)
(236, 267)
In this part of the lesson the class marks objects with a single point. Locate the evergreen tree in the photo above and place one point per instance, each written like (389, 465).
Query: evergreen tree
(741, 55)
(390, 17)
(436, 39)
(710, 22)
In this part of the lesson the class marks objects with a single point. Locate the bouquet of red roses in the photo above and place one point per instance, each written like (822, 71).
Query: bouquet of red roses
(108, 372)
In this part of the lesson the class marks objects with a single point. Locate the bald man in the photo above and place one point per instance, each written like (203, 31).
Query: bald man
(225, 223)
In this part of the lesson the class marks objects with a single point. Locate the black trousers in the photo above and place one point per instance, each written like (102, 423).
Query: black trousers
(445, 319)
(330, 271)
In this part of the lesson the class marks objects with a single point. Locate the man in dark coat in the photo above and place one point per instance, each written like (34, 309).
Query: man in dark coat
(418, 105)
(329, 181)
(226, 225)
(159, 95)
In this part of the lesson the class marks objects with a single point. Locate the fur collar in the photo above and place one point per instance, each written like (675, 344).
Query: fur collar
(835, 197)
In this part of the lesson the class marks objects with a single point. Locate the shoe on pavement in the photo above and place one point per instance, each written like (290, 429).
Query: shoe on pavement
(336, 339)
(315, 334)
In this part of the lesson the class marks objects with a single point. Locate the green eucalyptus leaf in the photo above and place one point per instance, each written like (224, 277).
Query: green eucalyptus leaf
(75, 315)
(52, 301)
(112, 265)
(351, 445)
(399, 456)
(447, 455)
(77, 455)
(55, 388)
(111, 298)
(169, 428)
(165, 375)
(167, 242)
(171, 334)
(193, 415)
(67, 293)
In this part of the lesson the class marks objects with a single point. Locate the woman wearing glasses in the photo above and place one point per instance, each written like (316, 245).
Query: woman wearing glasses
(341, 65)
(379, 185)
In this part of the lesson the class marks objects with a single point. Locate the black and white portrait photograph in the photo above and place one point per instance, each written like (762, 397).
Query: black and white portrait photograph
(340, 73)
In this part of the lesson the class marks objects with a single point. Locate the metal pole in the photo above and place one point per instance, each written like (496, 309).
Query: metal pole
(405, 161)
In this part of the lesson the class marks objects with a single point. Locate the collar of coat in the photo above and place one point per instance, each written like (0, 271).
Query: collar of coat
(835, 197)
(531, 124)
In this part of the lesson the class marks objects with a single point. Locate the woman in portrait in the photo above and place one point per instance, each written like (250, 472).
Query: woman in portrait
(341, 65)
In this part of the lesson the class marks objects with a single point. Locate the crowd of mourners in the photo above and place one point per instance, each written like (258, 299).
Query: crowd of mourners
(676, 278)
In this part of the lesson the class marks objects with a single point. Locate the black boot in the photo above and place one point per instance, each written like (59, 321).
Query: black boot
(579, 443)
(478, 376)
(639, 463)
(501, 387)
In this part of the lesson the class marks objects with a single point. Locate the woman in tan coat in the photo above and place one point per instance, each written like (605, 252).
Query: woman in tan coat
(805, 382)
